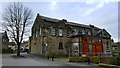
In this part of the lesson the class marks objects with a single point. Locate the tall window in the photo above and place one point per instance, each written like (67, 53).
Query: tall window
(36, 33)
(107, 42)
(43, 31)
(89, 33)
(76, 31)
(60, 45)
(40, 31)
(83, 31)
(52, 31)
(68, 33)
(60, 32)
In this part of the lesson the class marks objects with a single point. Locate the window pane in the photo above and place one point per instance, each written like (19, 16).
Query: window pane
(40, 31)
(83, 32)
(68, 33)
(60, 45)
(36, 33)
(76, 32)
(60, 32)
(89, 33)
(52, 31)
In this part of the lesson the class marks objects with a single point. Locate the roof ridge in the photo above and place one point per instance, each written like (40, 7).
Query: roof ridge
(68, 22)
(49, 18)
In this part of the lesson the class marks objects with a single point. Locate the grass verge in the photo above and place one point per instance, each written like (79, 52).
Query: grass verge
(108, 65)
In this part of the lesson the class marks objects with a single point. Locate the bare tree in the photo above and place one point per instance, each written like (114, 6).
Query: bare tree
(16, 17)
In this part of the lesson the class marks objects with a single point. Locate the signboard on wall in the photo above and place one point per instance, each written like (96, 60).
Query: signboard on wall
(76, 40)
(75, 44)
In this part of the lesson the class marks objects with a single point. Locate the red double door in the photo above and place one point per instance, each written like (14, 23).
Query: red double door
(90, 48)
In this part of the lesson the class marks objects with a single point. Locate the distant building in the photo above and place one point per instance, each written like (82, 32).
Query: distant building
(64, 38)
(116, 49)
(5, 40)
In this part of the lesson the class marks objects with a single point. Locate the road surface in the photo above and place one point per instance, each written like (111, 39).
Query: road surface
(30, 60)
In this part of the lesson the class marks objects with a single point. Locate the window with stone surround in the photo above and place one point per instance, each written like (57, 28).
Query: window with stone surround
(60, 32)
(83, 32)
(53, 31)
(68, 33)
(114, 48)
(40, 31)
(76, 31)
(89, 33)
(34, 33)
(60, 45)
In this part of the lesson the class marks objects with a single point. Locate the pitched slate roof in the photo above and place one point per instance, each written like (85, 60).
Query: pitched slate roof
(71, 23)
(68, 23)
(76, 24)
(106, 32)
(50, 19)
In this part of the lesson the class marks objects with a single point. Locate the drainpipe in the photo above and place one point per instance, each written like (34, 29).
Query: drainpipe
(79, 48)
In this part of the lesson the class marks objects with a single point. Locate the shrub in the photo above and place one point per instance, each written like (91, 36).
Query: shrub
(95, 60)
(106, 60)
(74, 59)
(84, 59)
(78, 59)
(7, 50)
(115, 61)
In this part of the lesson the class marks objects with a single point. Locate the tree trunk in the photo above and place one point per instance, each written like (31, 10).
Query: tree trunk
(18, 50)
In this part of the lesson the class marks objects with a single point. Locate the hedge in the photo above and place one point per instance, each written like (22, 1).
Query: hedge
(115, 61)
(84, 59)
(95, 60)
(78, 59)
(7, 51)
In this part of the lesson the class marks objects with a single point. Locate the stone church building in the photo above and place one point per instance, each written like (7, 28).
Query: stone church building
(51, 36)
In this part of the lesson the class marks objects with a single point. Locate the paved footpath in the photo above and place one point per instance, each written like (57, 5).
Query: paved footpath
(30, 60)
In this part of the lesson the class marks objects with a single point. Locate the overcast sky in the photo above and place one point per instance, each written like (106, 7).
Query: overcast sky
(103, 14)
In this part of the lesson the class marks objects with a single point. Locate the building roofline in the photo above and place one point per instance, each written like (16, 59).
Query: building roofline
(67, 22)
(49, 18)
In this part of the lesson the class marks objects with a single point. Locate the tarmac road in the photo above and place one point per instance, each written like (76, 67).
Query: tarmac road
(31, 61)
